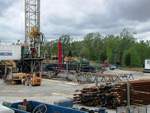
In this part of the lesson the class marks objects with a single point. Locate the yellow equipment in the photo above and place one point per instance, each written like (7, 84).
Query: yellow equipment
(35, 33)
(33, 79)
(35, 36)
(11, 73)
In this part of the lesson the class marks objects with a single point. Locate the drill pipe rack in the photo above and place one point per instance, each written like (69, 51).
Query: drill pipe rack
(105, 77)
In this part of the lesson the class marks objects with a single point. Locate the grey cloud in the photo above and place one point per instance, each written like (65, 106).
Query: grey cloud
(4, 4)
(82, 17)
(135, 10)
(77, 18)
(143, 30)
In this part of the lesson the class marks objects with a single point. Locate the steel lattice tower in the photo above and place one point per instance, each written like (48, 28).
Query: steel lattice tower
(32, 19)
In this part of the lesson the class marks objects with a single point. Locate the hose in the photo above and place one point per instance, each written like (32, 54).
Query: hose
(40, 110)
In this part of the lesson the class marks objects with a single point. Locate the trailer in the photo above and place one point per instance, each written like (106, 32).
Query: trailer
(10, 52)
(147, 66)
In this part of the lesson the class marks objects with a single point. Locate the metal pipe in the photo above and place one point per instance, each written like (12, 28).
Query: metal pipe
(115, 56)
(128, 94)
(67, 68)
(63, 52)
(96, 81)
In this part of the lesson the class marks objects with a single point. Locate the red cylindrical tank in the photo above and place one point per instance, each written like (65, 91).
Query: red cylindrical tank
(59, 52)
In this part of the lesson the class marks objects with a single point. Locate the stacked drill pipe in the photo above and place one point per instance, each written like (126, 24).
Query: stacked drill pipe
(88, 96)
(112, 95)
(140, 92)
(108, 95)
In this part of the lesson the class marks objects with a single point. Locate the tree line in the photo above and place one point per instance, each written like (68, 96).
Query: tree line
(96, 47)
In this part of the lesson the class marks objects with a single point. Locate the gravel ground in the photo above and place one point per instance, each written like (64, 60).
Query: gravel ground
(51, 91)
(137, 75)
(48, 92)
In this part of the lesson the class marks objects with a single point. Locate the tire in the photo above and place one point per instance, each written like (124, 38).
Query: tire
(30, 83)
(49, 75)
(27, 83)
(23, 82)
(13, 82)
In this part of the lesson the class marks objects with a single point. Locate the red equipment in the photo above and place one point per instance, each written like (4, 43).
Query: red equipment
(59, 53)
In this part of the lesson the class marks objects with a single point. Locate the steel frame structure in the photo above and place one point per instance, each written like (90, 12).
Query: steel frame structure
(32, 19)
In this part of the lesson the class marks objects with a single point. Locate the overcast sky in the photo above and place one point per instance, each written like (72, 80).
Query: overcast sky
(77, 18)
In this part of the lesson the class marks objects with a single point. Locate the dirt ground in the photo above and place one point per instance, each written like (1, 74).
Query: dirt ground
(133, 69)
(138, 75)
(51, 91)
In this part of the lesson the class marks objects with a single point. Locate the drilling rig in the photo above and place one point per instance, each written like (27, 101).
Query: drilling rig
(33, 36)
(32, 24)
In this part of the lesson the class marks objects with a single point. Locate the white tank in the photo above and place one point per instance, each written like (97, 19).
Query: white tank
(10, 52)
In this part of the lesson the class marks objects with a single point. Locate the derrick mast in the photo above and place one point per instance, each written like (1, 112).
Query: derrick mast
(32, 25)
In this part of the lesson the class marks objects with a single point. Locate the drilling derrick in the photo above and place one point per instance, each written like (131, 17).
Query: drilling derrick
(32, 61)
(32, 25)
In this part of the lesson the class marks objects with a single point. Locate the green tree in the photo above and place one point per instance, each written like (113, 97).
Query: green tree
(126, 41)
(110, 56)
(128, 60)
(66, 39)
(99, 48)
(112, 44)
(128, 33)
(70, 53)
(78, 48)
(142, 50)
(124, 57)
(92, 42)
(135, 60)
